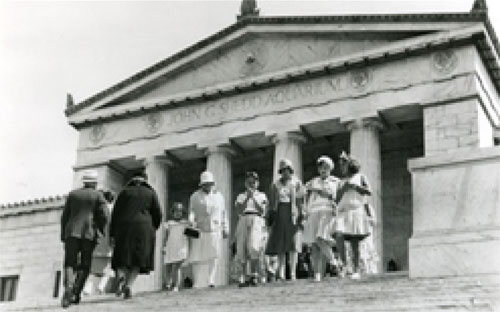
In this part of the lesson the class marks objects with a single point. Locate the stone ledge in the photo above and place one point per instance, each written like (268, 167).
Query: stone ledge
(454, 255)
(454, 158)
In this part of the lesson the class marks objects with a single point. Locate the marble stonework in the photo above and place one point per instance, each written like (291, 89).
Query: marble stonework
(456, 220)
(261, 55)
(257, 90)
(365, 147)
(343, 96)
(219, 163)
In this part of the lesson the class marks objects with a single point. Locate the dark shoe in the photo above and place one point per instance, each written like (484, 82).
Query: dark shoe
(119, 286)
(67, 298)
(127, 293)
(271, 277)
(75, 299)
(244, 284)
(252, 281)
(211, 286)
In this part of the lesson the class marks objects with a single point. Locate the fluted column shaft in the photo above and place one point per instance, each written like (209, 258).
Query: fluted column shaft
(157, 170)
(365, 147)
(219, 163)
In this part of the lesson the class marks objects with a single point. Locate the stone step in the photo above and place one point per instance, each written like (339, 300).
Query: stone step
(388, 292)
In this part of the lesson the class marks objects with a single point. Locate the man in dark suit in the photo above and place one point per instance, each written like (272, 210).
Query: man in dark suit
(82, 224)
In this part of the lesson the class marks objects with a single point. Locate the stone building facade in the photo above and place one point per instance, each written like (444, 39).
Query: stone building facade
(415, 98)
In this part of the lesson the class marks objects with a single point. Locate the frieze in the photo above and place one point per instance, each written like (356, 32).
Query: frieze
(444, 61)
(252, 102)
(282, 98)
(153, 122)
(97, 133)
(360, 78)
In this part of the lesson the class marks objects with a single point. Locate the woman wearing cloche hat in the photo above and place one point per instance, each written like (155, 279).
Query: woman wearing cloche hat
(352, 222)
(286, 194)
(208, 214)
(320, 226)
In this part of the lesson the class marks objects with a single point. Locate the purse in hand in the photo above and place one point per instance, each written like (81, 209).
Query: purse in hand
(192, 232)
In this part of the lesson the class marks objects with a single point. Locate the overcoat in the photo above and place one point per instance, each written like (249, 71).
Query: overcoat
(135, 218)
(84, 215)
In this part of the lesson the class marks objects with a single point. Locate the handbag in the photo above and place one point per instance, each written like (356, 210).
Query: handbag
(192, 232)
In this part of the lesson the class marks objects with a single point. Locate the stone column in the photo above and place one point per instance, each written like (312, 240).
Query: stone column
(157, 170)
(288, 145)
(365, 147)
(219, 163)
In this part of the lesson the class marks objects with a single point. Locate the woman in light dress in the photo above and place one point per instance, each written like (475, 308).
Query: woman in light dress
(320, 223)
(352, 223)
(207, 213)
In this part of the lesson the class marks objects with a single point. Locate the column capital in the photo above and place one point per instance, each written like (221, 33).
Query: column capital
(161, 159)
(219, 149)
(365, 123)
(290, 136)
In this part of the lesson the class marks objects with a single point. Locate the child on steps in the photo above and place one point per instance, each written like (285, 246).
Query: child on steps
(175, 247)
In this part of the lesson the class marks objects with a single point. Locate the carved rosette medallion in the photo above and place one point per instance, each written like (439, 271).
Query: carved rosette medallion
(254, 58)
(153, 121)
(444, 61)
(360, 78)
(97, 133)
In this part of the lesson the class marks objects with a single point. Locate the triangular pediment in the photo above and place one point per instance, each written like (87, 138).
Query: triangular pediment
(247, 51)
(258, 55)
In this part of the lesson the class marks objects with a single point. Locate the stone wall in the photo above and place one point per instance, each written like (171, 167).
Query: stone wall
(457, 125)
(31, 248)
(456, 215)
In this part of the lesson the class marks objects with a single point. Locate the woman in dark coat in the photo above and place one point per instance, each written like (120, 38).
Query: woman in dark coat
(135, 218)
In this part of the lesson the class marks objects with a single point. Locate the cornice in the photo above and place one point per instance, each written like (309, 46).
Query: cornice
(414, 46)
(474, 15)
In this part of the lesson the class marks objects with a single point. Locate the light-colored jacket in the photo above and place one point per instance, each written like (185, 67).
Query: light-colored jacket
(207, 211)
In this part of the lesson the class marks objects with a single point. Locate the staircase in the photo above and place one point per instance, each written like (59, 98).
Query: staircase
(388, 292)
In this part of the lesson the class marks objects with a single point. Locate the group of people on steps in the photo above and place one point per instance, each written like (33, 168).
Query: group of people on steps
(326, 214)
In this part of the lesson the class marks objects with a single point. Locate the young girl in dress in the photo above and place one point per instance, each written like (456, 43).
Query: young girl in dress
(175, 247)
(319, 227)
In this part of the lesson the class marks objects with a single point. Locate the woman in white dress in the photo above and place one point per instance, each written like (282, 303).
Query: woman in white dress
(320, 223)
(352, 223)
(208, 214)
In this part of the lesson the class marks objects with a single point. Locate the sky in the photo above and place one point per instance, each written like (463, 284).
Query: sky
(50, 48)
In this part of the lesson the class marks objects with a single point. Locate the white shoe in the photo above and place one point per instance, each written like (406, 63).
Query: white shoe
(355, 276)
(175, 289)
(317, 277)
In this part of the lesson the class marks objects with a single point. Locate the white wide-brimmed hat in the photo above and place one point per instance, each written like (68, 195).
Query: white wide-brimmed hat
(206, 177)
(325, 160)
(89, 176)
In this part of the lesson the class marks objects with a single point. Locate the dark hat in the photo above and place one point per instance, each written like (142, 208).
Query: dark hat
(344, 156)
(252, 174)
